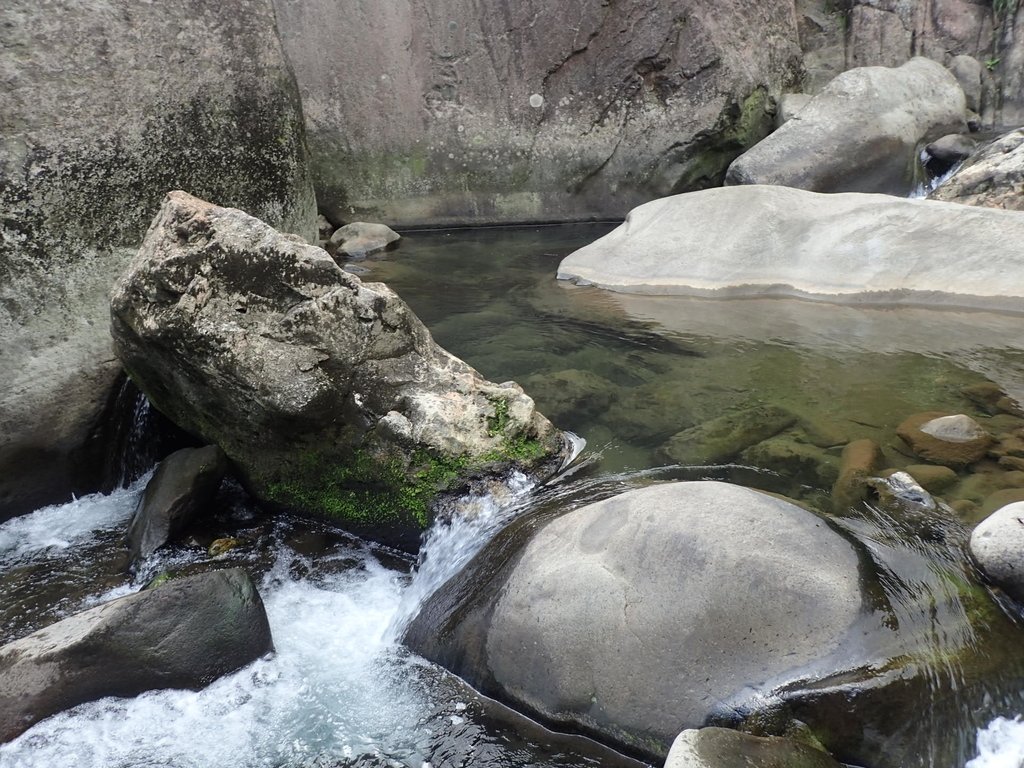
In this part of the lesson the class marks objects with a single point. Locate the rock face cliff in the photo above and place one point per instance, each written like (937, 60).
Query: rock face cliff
(420, 111)
(104, 106)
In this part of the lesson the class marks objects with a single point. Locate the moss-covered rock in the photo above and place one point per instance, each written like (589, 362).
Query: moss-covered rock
(328, 394)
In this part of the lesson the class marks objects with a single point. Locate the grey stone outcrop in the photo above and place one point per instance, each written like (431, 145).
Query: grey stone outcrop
(328, 394)
(755, 239)
(104, 106)
(860, 134)
(183, 634)
(183, 486)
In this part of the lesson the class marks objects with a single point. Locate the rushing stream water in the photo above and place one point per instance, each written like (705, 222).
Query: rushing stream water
(624, 372)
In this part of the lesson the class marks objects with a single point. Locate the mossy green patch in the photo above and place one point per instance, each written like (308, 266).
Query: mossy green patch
(376, 489)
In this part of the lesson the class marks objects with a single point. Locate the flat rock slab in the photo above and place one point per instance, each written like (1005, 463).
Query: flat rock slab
(857, 248)
(328, 394)
(183, 634)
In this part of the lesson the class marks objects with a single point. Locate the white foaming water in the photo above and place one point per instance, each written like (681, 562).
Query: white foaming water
(450, 546)
(62, 526)
(1000, 745)
(337, 686)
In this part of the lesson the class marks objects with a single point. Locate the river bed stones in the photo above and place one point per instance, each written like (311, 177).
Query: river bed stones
(329, 395)
(860, 460)
(724, 437)
(954, 440)
(183, 634)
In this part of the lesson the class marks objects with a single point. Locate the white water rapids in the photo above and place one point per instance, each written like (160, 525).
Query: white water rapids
(338, 685)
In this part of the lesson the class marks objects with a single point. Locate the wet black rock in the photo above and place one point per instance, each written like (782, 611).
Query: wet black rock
(183, 486)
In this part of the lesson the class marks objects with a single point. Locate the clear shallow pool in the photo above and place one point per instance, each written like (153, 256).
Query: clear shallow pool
(627, 373)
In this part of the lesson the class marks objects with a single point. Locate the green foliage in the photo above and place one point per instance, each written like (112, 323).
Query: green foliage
(991, 64)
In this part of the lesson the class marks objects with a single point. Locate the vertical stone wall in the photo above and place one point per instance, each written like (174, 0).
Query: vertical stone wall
(462, 111)
(105, 105)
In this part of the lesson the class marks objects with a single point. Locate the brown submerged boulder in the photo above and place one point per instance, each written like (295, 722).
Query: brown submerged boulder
(327, 393)
(951, 440)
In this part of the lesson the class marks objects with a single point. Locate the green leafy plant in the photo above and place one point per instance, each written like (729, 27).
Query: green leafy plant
(991, 64)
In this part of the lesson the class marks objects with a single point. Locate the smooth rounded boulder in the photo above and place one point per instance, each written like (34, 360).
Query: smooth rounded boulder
(993, 177)
(860, 134)
(183, 634)
(856, 248)
(328, 394)
(182, 486)
(997, 546)
(649, 611)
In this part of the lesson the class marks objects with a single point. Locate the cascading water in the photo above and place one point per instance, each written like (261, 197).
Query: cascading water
(338, 690)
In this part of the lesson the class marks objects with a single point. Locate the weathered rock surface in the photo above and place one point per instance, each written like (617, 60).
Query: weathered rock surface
(328, 394)
(360, 239)
(774, 240)
(133, 101)
(951, 440)
(184, 634)
(534, 110)
(860, 134)
(183, 485)
(859, 461)
(997, 546)
(949, 150)
(724, 748)
(648, 611)
(992, 177)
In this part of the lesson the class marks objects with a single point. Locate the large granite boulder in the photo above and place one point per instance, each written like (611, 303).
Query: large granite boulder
(650, 611)
(183, 634)
(992, 177)
(328, 394)
(463, 112)
(104, 106)
(860, 134)
(849, 247)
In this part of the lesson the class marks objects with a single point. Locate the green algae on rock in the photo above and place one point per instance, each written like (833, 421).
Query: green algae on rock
(328, 394)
